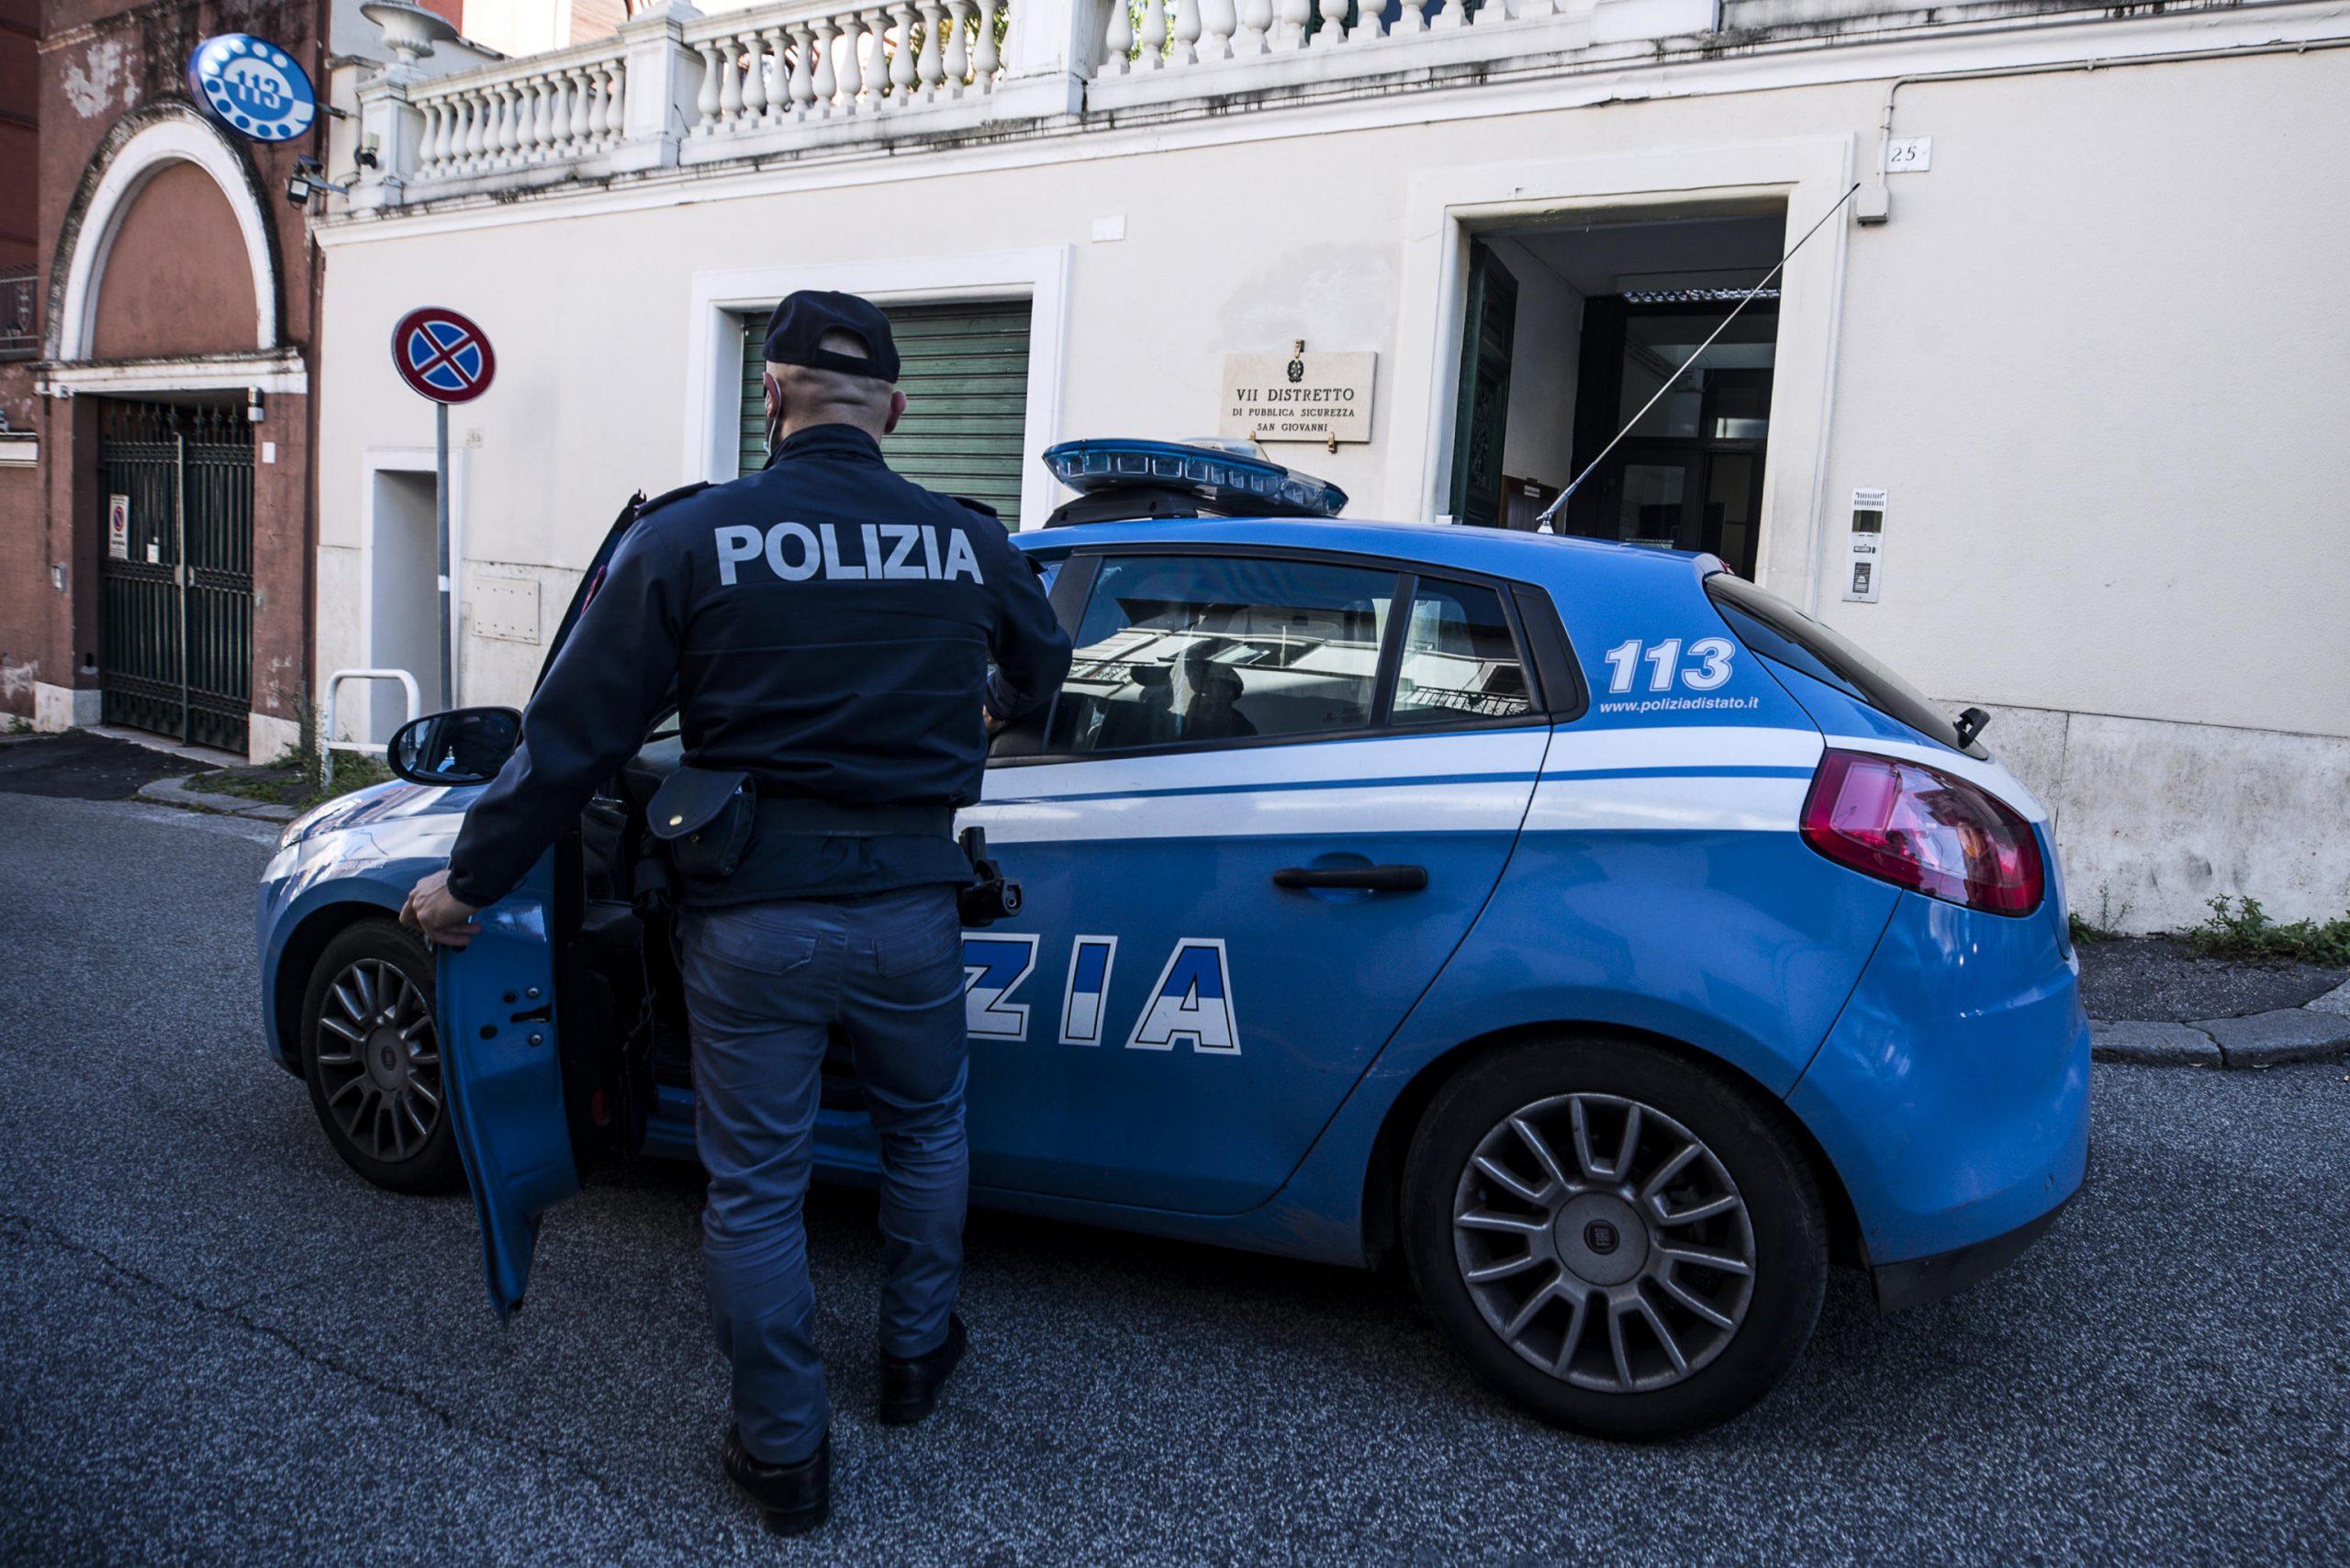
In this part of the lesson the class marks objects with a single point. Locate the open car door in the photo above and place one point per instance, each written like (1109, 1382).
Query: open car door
(502, 1067)
(502, 1057)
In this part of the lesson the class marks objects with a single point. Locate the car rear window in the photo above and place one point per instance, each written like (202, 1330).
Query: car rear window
(1460, 660)
(1772, 627)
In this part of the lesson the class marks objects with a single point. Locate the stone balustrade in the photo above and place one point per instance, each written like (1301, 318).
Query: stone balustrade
(1191, 33)
(1159, 38)
(778, 66)
(674, 87)
(551, 110)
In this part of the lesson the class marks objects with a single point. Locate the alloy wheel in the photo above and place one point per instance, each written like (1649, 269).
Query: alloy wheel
(379, 1059)
(1626, 1266)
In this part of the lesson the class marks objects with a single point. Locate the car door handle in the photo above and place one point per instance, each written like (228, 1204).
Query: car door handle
(1370, 878)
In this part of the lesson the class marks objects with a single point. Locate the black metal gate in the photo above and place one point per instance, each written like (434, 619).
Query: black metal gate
(177, 575)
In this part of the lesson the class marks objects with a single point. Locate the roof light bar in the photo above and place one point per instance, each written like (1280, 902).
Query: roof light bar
(1231, 482)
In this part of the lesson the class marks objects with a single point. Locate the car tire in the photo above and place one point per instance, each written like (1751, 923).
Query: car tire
(1505, 1239)
(370, 1052)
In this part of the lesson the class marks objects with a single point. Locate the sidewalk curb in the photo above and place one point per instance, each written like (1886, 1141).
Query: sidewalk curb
(2319, 1031)
(175, 792)
(2149, 1044)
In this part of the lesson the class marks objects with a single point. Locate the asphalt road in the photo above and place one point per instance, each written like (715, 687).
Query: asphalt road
(217, 1344)
(82, 766)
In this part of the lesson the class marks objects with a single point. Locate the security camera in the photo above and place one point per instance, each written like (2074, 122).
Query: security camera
(366, 156)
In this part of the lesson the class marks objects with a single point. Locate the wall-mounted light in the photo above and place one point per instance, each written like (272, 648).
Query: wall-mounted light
(308, 180)
(255, 411)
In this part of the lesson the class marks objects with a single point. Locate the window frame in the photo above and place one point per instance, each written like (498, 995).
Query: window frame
(1073, 590)
(1558, 674)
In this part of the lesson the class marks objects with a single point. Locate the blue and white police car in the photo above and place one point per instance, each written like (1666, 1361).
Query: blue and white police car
(1596, 932)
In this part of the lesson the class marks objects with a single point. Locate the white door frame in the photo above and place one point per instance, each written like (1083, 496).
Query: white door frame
(714, 342)
(372, 461)
(1445, 206)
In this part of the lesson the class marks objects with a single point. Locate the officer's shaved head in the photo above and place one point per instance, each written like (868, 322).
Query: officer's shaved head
(800, 396)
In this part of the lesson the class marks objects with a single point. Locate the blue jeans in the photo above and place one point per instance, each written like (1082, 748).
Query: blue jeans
(768, 985)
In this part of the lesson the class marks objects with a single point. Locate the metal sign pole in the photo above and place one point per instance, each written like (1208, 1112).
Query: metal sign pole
(441, 539)
(443, 357)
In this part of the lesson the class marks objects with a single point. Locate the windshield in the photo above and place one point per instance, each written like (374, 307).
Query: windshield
(1779, 631)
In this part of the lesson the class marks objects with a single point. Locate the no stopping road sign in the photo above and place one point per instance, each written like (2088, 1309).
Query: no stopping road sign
(441, 356)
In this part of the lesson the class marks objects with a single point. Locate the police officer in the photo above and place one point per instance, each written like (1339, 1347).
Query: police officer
(828, 628)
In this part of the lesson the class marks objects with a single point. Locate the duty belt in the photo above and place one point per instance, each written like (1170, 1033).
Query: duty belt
(806, 815)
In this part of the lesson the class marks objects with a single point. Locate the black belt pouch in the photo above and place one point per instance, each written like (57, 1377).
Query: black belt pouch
(703, 817)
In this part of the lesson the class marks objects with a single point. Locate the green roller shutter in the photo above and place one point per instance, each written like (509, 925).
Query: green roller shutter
(965, 374)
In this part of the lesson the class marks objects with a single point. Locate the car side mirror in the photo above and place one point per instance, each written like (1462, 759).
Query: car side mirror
(464, 746)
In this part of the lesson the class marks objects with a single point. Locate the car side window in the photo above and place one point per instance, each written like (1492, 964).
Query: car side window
(1199, 650)
(1460, 660)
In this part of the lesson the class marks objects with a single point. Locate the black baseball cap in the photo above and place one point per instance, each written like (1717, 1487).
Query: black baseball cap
(799, 323)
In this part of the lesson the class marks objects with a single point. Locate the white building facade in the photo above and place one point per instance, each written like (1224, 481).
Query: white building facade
(2066, 372)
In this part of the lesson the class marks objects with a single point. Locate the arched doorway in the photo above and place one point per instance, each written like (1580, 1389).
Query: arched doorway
(165, 335)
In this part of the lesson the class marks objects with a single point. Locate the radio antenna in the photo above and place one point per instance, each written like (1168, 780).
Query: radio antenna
(1543, 520)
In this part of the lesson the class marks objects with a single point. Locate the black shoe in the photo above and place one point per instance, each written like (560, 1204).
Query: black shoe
(793, 1498)
(910, 1385)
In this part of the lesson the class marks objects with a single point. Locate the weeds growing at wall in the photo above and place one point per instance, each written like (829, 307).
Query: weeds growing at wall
(298, 776)
(2107, 927)
(2241, 929)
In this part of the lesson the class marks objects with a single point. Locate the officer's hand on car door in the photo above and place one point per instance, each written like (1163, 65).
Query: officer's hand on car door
(442, 918)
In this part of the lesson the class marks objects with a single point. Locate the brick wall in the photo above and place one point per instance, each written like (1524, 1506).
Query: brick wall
(178, 283)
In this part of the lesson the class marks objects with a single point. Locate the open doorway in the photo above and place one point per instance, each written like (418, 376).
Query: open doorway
(1571, 328)
(403, 598)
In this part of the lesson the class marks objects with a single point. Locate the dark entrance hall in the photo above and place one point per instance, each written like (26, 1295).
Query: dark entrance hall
(1571, 329)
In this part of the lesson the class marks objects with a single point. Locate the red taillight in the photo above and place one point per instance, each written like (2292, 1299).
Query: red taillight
(1921, 828)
